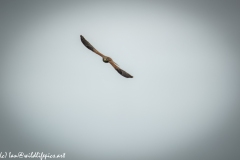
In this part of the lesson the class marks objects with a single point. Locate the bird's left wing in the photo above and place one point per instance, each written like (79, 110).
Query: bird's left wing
(119, 70)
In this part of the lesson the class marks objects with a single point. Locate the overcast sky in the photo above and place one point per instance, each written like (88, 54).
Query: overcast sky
(57, 96)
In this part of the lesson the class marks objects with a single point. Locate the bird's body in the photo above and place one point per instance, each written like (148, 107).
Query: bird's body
(105, 58)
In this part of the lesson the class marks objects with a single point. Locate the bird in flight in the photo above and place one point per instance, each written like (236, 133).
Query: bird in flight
(105, 58)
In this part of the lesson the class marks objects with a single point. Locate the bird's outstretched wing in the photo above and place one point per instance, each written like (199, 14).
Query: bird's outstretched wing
(89, 46)
(119, 70)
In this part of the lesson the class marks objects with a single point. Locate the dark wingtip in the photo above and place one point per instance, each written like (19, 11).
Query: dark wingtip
(86, 43)
(124, 73)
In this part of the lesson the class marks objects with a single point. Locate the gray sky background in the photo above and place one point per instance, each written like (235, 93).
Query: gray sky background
(57, 96)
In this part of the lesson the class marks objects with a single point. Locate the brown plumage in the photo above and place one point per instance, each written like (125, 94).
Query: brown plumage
(105, 58)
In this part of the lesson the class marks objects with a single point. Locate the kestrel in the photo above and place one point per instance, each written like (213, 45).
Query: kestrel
(105, 58)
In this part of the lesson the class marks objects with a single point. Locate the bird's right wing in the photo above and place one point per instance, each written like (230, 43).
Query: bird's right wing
(89, 46)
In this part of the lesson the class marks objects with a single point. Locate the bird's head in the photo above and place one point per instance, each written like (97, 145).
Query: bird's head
(105, 59)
